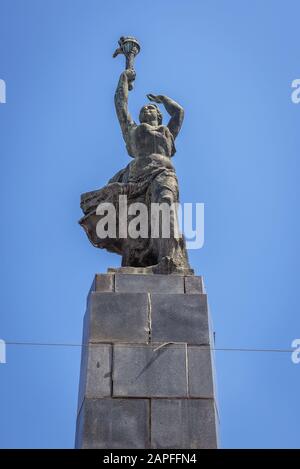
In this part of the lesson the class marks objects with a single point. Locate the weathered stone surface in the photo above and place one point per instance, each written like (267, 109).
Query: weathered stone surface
(200, 372)
(95, 372)
(113, 424)
(183, 423)
(142, 371)
(103, 283)
(194, 284)
(179, 318)
(118, 317)
(123, 376)
(130, 270)
(149, 283)
(150, 270)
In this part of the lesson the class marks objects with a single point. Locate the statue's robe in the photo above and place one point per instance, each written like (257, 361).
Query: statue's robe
(149, 178)
(146, 180)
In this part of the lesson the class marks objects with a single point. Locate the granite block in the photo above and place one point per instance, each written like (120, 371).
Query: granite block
(183, 423)
(143, 371)
(113, 424)
(179, 318)
(118, 317)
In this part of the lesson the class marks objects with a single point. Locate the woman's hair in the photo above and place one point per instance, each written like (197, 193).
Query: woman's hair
(159, 114)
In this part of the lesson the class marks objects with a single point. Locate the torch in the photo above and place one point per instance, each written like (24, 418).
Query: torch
(130, 47)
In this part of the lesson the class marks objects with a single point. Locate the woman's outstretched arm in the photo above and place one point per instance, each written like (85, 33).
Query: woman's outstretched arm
(121, 101)
(174, 109)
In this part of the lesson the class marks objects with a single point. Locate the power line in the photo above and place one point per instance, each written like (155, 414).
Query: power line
(217, 349)
(47, 344)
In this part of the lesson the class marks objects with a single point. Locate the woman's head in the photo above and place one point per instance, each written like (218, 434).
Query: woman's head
(150, 114)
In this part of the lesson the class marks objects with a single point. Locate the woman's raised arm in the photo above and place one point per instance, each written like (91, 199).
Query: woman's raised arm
(121, 101)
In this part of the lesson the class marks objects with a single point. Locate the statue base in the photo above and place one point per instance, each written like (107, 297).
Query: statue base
(147, 370)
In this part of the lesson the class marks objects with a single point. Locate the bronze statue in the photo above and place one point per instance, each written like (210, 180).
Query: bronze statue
(149, 178)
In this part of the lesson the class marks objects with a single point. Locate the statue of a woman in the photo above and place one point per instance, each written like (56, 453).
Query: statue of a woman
(149, 178)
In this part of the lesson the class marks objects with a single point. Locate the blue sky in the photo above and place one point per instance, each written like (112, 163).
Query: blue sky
(230, 63)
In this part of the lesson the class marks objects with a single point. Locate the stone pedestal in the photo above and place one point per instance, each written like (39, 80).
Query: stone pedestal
(147, 370)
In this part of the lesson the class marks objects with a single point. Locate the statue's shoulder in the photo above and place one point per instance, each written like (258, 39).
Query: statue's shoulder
(132, 125)
(129, 130)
